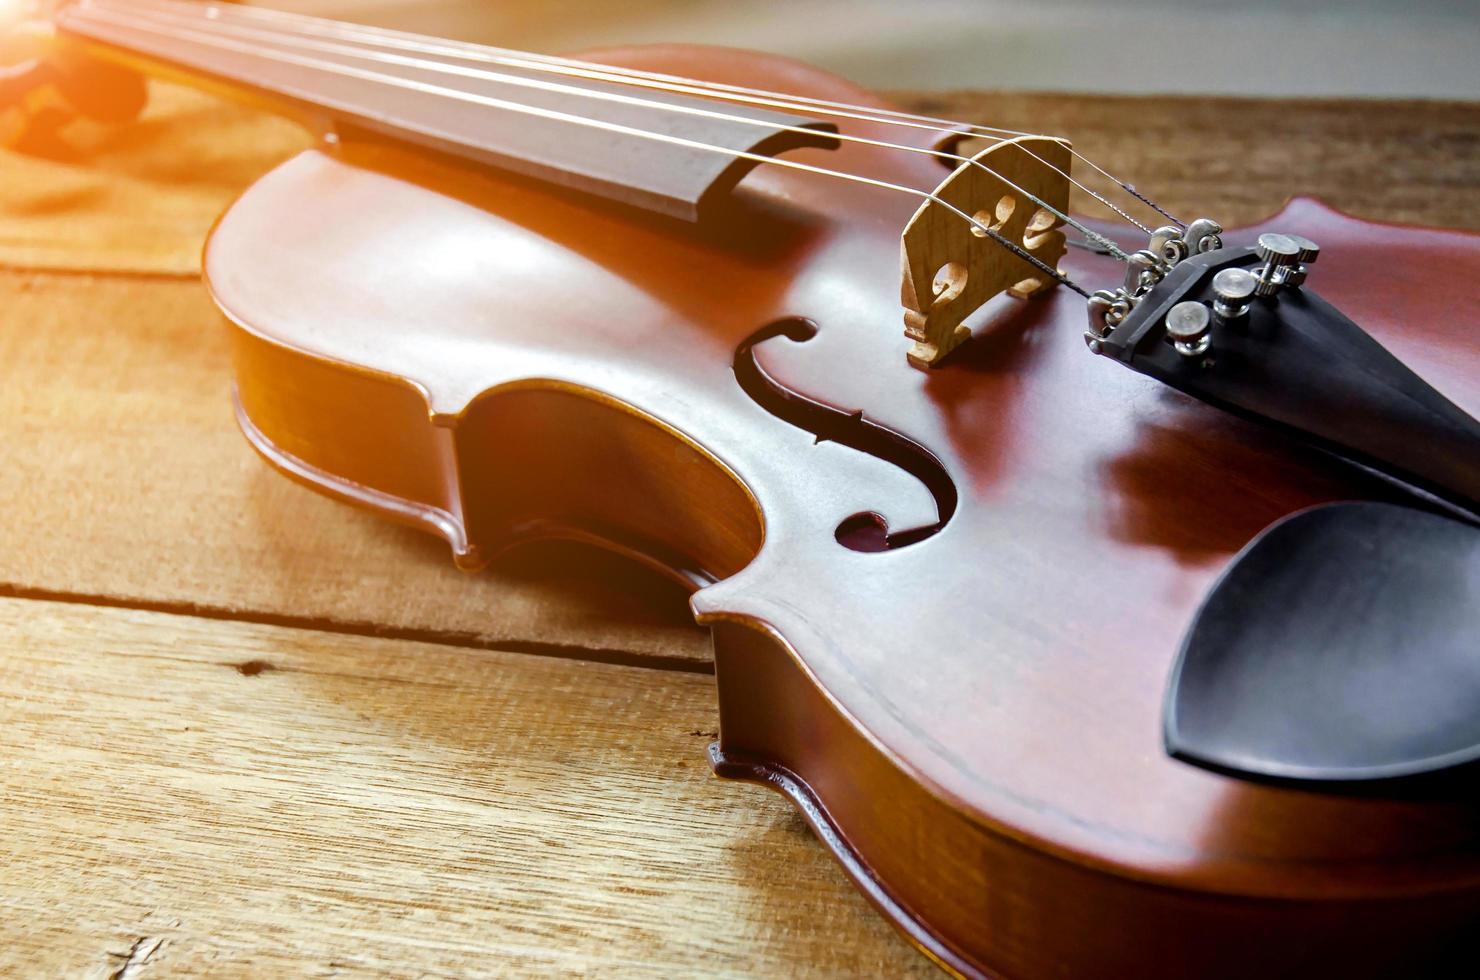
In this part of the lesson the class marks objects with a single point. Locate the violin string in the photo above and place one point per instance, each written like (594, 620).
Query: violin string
(558, 116)
(679, 85)
(670, 83)
(539, 84)
(879, 115)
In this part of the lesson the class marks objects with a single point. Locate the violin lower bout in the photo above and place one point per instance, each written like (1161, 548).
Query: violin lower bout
(981, 904)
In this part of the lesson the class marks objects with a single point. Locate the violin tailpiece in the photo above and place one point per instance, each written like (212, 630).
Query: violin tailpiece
(951, 265)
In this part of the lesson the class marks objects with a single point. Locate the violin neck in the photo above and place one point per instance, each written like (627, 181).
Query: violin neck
(587, 130)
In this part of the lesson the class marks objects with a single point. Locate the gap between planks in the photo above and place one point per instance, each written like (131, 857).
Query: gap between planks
(466, 641)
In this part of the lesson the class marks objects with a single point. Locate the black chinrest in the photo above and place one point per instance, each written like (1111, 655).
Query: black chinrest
(1341, 646)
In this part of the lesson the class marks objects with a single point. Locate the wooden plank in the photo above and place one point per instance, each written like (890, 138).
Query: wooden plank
(142, 197)
(188, 796)
(1239, 160)
(145, 197)
(127, 482)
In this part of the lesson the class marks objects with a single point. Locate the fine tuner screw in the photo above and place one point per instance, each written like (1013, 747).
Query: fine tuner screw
(1189, 328)
(1285, 260)
(1309, 252)
(1278, 252)
(1233, 289)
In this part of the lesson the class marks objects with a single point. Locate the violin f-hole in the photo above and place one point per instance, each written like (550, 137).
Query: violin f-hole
(865, 531)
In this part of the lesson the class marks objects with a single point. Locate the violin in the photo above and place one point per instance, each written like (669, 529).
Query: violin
(1165, 667)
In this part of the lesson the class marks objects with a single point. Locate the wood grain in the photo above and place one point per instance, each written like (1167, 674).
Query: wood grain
(142, 197)
(1239, 160)
(188, 796)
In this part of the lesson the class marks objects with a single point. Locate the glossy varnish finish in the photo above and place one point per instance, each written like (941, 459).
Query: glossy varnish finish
(972, 721)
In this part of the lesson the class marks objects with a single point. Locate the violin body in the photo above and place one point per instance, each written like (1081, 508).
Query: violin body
(970, 720)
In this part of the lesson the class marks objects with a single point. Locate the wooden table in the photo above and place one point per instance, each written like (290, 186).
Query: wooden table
(246, 730)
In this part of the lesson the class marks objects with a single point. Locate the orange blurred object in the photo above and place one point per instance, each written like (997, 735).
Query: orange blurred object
(52, 97)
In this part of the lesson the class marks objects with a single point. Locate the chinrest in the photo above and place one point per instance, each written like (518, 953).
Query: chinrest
(1341, 646)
